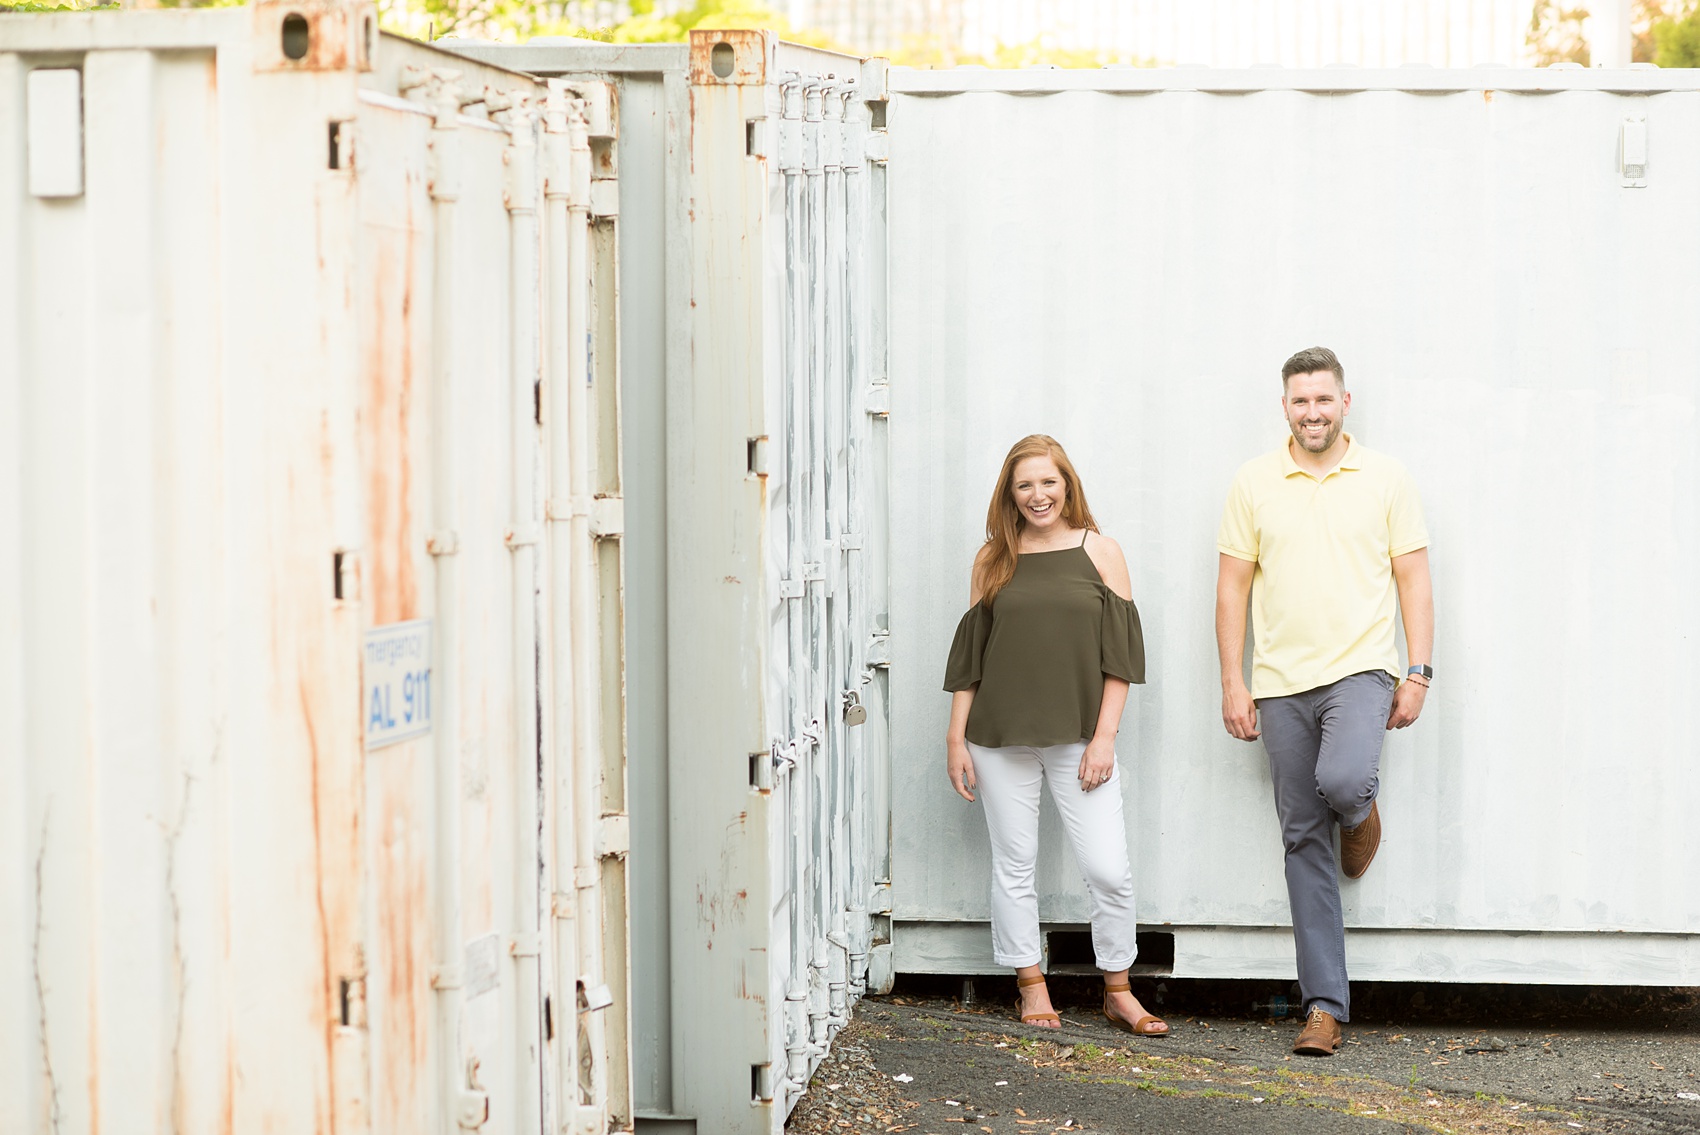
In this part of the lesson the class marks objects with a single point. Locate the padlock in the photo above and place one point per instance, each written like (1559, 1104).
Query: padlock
(855, 713)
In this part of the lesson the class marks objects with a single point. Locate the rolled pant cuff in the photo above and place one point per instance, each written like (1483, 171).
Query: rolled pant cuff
(1017, 961)
(1114, 966)
(1332, 1008)
(1348, 822)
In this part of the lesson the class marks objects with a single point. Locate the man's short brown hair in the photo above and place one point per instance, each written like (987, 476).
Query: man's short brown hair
(1309, 361)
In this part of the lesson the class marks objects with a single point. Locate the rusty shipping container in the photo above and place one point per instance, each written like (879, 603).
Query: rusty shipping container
(752, 269)
(311, 717)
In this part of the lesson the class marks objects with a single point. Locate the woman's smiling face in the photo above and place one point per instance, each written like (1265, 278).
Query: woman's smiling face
(1039, 491)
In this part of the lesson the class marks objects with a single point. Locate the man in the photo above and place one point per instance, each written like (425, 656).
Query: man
(1319, 534)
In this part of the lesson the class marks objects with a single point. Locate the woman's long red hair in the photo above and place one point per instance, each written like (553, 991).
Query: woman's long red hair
(995, 566)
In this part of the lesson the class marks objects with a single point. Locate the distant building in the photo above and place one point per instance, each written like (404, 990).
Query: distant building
(1221, 33)
(1217, 33)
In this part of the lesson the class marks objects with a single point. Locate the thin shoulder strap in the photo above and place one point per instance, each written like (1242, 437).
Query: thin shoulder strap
(1084, 532)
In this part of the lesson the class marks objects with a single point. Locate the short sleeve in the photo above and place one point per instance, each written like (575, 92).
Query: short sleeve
(1121, 642)
(1406, 531)
(1237, 536)
(962, 671)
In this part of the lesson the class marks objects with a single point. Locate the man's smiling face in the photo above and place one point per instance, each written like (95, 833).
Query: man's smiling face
(1316, 408)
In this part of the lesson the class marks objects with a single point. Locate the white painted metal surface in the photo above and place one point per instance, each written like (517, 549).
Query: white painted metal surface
(752, 298)
(1515, 315)
(770, 498)
(268, 384)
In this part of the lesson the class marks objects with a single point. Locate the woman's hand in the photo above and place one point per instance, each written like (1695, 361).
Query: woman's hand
(1097, 763)
(961, 765)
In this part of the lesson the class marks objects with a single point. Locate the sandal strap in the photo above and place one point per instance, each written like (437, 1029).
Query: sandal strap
(1123, 987)
(1041, 1017)
(1036, 979)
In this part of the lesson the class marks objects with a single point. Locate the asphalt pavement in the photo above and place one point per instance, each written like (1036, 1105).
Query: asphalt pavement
(1416, 1058)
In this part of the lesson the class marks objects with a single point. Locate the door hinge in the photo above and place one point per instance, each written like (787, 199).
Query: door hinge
(605, 197)
(614, 836)
(879, 648)
(607, 517)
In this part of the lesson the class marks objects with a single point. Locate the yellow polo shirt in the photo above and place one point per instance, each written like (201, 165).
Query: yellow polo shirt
(1323, 599)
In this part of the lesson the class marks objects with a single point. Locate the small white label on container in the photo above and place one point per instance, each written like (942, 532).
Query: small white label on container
(483, 965)
(396, 674)
(55, 98)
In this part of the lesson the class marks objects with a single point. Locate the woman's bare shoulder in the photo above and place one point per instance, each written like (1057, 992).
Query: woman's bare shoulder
(1107, 557)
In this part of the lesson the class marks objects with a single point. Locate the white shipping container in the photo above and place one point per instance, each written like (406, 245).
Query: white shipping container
(752, 289)
(1507, 264)
(382, 426)
(311, 720)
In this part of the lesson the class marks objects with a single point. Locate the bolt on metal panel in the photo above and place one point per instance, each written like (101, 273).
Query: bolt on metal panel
(225, 497)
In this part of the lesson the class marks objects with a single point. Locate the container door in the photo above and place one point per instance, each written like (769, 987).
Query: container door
(785, 866)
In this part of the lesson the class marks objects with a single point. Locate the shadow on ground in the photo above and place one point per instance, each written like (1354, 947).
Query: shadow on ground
(937, 1058)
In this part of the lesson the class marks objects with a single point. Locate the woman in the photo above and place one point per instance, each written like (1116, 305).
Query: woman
(1039, 674)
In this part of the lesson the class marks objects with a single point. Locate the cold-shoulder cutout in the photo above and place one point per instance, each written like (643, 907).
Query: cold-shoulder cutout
(1113, 570)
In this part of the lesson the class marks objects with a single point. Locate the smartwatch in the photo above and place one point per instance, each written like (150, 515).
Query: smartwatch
(1422, 671)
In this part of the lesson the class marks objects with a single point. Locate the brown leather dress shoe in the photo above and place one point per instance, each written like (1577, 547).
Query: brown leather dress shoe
(1358, 845)
(1320, 1036)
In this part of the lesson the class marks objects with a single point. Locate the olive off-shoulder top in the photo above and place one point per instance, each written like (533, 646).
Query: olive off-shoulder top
(1040, 654)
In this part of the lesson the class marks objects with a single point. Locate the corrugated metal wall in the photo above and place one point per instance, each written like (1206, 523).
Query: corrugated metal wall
(1124, 260)
(303, 382)
(777, 874)
(753, 301)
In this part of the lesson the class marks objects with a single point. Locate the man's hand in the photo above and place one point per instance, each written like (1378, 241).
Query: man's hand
(961, 766)
(1239, 712)
(1407, 704)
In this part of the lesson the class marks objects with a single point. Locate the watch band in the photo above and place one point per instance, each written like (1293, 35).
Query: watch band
(1422, 671)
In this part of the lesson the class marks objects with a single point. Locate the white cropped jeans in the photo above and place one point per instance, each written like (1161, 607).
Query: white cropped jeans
(1009, 780)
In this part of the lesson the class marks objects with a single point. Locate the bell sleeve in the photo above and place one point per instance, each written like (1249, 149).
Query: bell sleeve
(1121, 643)
(962, 671)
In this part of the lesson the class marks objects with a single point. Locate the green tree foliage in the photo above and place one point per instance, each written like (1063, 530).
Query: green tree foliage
(520, 20)
(1666, 32)
(1555, 33)
(1040, 52)
(1676, 40)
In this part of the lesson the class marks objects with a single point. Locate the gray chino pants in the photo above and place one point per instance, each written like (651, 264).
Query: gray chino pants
(1324, 750)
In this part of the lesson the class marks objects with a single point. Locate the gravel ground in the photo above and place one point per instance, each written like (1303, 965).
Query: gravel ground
(1416, 1058)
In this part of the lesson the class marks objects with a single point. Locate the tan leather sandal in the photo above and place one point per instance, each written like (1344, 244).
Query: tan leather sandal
(1147, 1025)
(1029, 1018)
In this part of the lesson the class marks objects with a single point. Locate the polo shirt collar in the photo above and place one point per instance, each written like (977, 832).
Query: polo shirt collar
(1352, 460)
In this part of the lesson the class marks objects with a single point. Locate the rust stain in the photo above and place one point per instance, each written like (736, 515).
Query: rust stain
(94, 1051)
(748, 61)
(321, 1012)
(401, 951)
(1487, 96)
(386, 450)
(327, 35)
